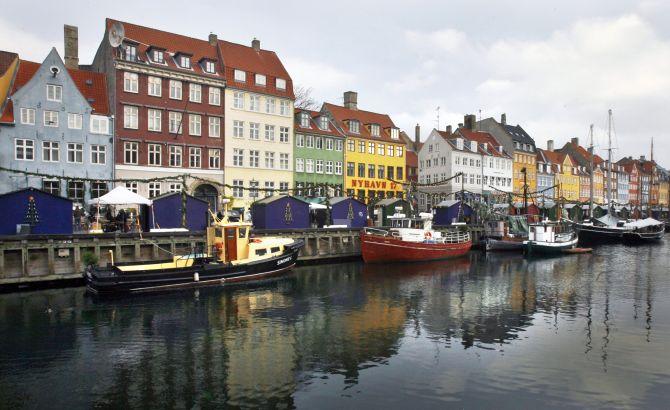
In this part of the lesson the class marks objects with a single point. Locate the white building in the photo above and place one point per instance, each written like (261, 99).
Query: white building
(482, 160)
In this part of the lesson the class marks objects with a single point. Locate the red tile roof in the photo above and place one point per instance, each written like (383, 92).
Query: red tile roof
(412, 159)
(6, 59)
(557, 157)
(314, 126)
(365, 118)
(483, 138)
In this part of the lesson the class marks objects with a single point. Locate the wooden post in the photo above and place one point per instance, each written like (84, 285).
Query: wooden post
(77, 256)
(51, 257)
(24, 258)
(138, 251)
(2, 262)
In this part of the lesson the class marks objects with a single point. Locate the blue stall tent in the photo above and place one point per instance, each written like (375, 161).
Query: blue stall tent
(280, 212)
(349, 212)
(166, 210)
(43, 212)
(451, 211)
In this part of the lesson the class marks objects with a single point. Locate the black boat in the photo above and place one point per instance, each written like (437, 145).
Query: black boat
(608, 229)
(233, 257)
(644, 230)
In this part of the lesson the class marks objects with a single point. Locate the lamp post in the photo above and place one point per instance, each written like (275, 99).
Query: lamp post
(525, 191)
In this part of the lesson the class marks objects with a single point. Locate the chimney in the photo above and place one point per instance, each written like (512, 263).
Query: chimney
(71, 45)
(643, 158)
(550, 145)
(470, 121)
(503, 119)
(574, 141)
(256, 44)
(417, 136)
(449, 130)
(351, 100)
(460, 125)
(213, 39)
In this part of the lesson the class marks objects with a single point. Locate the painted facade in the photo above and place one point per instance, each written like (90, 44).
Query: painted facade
(567, 176)
(319, 154)
(545, 175)
(623, 185)
(57, 122)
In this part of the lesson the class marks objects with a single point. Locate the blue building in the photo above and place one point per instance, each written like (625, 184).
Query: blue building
(166, 212)
(55, 121)
(51, 214)
(545, 173)
(450, 211)
(280, 212)
(348, 211)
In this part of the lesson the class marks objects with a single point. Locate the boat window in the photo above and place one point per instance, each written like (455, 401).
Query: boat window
(261, 252)
(218, 232)
(274, 249)
(243, 232)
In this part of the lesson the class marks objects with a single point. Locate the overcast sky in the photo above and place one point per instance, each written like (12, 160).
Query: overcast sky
(553, 66)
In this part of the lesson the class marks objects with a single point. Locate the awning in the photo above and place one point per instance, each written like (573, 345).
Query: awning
(121, 196)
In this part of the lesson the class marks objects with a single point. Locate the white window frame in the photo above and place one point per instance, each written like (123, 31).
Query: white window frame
(240, 76)
(215, 127)
(195, 93)
(214, 95)
(270, 105)
(195, 157)
(49, 148)
(309, 166)
(318, 166)
(284, 134)
(214, 158)
(280, 83)
(175, 122)
(254, 158)
(98, 154)
(154, 120)
(195, 124)
(154, 86)
(299, 140)
(254, 131)
(131, 82)
(260, 79)
(75, 121)
(99, 125)
(77, 150)
(28, 116)
(54, 92)
(175, 159)
(26, 145)
(154, 189)
(269, 160)
(299, 165)
(176, 90)
(238, 157)
(254, 102)
(52, 115)
(154, 155)
(210, 67)
(284, 107)
(238, 100)
(131, 116)
(284, 159)
(238, 129)
(132, 148)
(269, 132)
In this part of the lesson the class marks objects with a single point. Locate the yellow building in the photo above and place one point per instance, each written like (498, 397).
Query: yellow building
(598, 185)
(374, 154)
(567, 175)
(524, 160)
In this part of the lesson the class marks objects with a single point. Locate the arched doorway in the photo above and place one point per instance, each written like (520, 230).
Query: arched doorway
(208, 193)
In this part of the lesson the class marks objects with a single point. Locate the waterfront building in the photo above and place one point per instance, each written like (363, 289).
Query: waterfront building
(583, 159)
(258, 122)
(412, 147)
(319, 154)
(567, 175)
(622, 188)
(55, 120)
(664, 187)
(522, 146)
(584, 184)
(374, 153)
(545, 173)
(633, 172)
(166, 95)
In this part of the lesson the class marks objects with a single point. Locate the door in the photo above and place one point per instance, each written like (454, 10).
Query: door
(231, 244)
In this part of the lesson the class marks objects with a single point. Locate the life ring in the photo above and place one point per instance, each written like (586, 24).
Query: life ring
(427, 235)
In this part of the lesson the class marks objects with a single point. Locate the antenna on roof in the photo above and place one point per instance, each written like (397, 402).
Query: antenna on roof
(116, 34)
(438, 116)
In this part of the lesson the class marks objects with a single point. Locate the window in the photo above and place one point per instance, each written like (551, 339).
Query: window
(390, 151)
(329, 144)
(269, 132)
(319, 166)
(351, 145)
(309, 142)
(209, 67)
(361, 170)
(131, 186)
(309, 166)
(350, 169)
(269, 188)
(270, 105)
(175, 122)
(390, 173)
(380, 149)
(215, 127)
(354, 126)
(398, 151)
(154, 86)
(54, 93)
(283, 161)
(51, 118)
(398, 173)
(380, 171)
(304, 120)
(194, 124)
(281, 83)
(395, 133)
(175, 89)
(195, 157)
(318, 142)
(75, 153)
(374, 130)
(371, 147)
(283, 134)
(284, 107)
(371, 171)
(175, 156)
(269, 159)
(260, 79)
(254, 158)
(329, 167)
(323, 122)
(130, 52)
(238, 99)
(338, 168)
(184, 61)
(283, 187)
(130, 82)
(299, 165)
(154, 189)
(195, 93)
(238, 190)
(299, 140)
(99, 125)
(51, 186)
(130, 116)
(98, 154)
(254, 131)
(24, 150)
(154, 120)
(361, 147)
(254, 102)
(28, 116)
(75, 190)
(158, 56)
(339, 144)
(130, 151)
(238, 129)
(238, 157)
(154, 151)
(50, 151)
(240, 76)
(214, 159)
(74, 121)
(214, 96)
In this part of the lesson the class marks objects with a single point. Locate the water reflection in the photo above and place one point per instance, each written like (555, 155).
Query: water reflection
(579, 330)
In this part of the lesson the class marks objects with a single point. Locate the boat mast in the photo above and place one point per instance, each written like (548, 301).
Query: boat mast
(591, 173)
(651, 180)
(609, 157)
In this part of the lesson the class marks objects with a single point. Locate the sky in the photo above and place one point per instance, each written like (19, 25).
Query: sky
(554, 67)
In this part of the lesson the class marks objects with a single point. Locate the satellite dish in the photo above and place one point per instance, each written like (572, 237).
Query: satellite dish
(116, 34)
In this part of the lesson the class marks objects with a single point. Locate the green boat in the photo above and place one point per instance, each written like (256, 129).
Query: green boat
(549, 238)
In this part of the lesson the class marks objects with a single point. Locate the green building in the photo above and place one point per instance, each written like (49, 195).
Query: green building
(318, 153)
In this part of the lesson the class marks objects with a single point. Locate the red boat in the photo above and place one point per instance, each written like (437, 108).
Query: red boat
(412, 240)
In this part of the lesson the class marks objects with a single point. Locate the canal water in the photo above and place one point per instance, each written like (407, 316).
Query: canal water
(496, 331)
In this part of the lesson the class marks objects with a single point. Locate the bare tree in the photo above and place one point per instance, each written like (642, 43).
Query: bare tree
(304, 99)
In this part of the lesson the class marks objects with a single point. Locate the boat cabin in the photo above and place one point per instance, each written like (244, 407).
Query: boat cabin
(229, 242)
(541, 233)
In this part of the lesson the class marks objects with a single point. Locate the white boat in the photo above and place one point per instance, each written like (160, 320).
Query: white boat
(549, 238)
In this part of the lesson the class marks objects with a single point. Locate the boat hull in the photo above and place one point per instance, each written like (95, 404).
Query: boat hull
(375, 248)
(643, 237)
(599, 234)
(503, 245)
(110, 281)
(548, 248)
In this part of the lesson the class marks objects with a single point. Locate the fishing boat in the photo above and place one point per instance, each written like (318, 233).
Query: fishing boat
(549, 238)
(231, 257)
(506, 234)
(644, 230)
(411, 240)
(606, 229)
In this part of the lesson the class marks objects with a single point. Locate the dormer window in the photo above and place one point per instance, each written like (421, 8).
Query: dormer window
(374, 130)
(185, 62)
(209, 67)
(130, 52)
(354, 126)
(158, 56)
(281, 84)
(240, 76)
(323, 122)
(260, 79)
(304, 120)
(395, 134)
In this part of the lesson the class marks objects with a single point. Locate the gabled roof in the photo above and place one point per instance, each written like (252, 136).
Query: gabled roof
(483, 138)
(273, 198)
(314, 124)
(338, 199)
(556, 157)
(365, 118)
(518, 134)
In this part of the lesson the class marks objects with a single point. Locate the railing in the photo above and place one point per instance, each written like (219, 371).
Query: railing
(380, 232)
(454, 237)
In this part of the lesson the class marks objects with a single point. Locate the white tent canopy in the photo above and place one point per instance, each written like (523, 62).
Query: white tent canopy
(121, 196)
